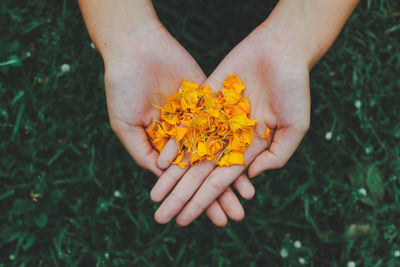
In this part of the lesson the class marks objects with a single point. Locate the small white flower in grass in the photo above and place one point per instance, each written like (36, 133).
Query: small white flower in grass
(351, 264)
(328, 135)
(107, 255)
(297, 244)
(11, 257)
(368, 150)
(65, 68)
(362, 191)
(357, 104)
(284, 253)
(117, 193)
(302, 260)
(28, 54)
(315, 198)
(396, 253)
(92, 45)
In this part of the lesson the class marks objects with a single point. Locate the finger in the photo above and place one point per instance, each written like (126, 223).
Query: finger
(215, 213)
(168, 180)
(213, 186)
(183, 191)
(217, 182)
(245, 188)
(168, 154)
(135, 141)
(284, 144)
(231, 205)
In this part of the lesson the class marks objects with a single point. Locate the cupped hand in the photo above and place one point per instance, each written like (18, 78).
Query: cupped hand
(277, 84)
(141, 74)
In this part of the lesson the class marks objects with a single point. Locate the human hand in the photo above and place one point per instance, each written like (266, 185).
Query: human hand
(141, 77)
(298, 35)
(277, 84)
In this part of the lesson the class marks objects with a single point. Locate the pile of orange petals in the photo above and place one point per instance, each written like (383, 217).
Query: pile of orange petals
(206, 125)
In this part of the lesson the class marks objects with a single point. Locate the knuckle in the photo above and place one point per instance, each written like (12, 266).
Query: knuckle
(216, 184)
(197, 205)
(280, 163)
(196, 175)
(178, 198)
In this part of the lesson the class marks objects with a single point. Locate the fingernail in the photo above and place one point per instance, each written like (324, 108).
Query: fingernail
(160, 217)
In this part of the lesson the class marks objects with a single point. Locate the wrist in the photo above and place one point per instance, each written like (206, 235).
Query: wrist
(288, 29)
(308, 28)
(117, 26)
(128, 40)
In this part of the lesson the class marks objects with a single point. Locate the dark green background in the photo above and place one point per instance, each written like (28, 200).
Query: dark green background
(56, 141)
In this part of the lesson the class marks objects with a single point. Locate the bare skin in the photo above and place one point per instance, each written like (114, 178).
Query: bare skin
(144, 62)
(277, 85)
(274, 61)
(140, 74)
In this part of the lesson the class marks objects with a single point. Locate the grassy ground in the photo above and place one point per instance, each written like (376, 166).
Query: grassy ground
(338, 196)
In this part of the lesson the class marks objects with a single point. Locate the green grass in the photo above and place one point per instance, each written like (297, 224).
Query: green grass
(56, 141)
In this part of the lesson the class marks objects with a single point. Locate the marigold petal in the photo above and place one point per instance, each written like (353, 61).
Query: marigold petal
(232, 158)
(202, 149)
(204, 123)
(267, 135)
(180, 133)
(240, 122)
(159, 143)
(178, 160)
(236, 143)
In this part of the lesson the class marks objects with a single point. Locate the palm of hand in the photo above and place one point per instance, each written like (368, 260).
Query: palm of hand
(278, 88)
(137, 80)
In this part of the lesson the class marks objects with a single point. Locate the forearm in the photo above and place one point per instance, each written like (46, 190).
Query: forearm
(309, 27)
(114, 25)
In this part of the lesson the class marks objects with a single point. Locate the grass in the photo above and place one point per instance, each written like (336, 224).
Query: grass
(95, 208)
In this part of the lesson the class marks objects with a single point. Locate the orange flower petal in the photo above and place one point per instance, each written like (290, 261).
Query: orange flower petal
(204, 123)
(180, 133)
(232, 158)
(202, 149)
(240, 122)
(178, 160)
(267, 135)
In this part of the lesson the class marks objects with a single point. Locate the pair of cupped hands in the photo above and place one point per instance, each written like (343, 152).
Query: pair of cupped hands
(150, 67)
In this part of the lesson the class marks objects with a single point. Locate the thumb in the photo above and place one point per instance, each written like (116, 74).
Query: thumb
(284, 143)
(135, 141)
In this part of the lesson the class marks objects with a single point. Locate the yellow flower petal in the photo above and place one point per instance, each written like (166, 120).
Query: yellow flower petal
(236, 143)
(240, 122)
(231, 158)
(178, 160)
(180, 133)
(233, 82)
(204, 123)
(202, 149)
(182, 164)
(267, 135)
(230, 96)
(189, 85)
(159, 143)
